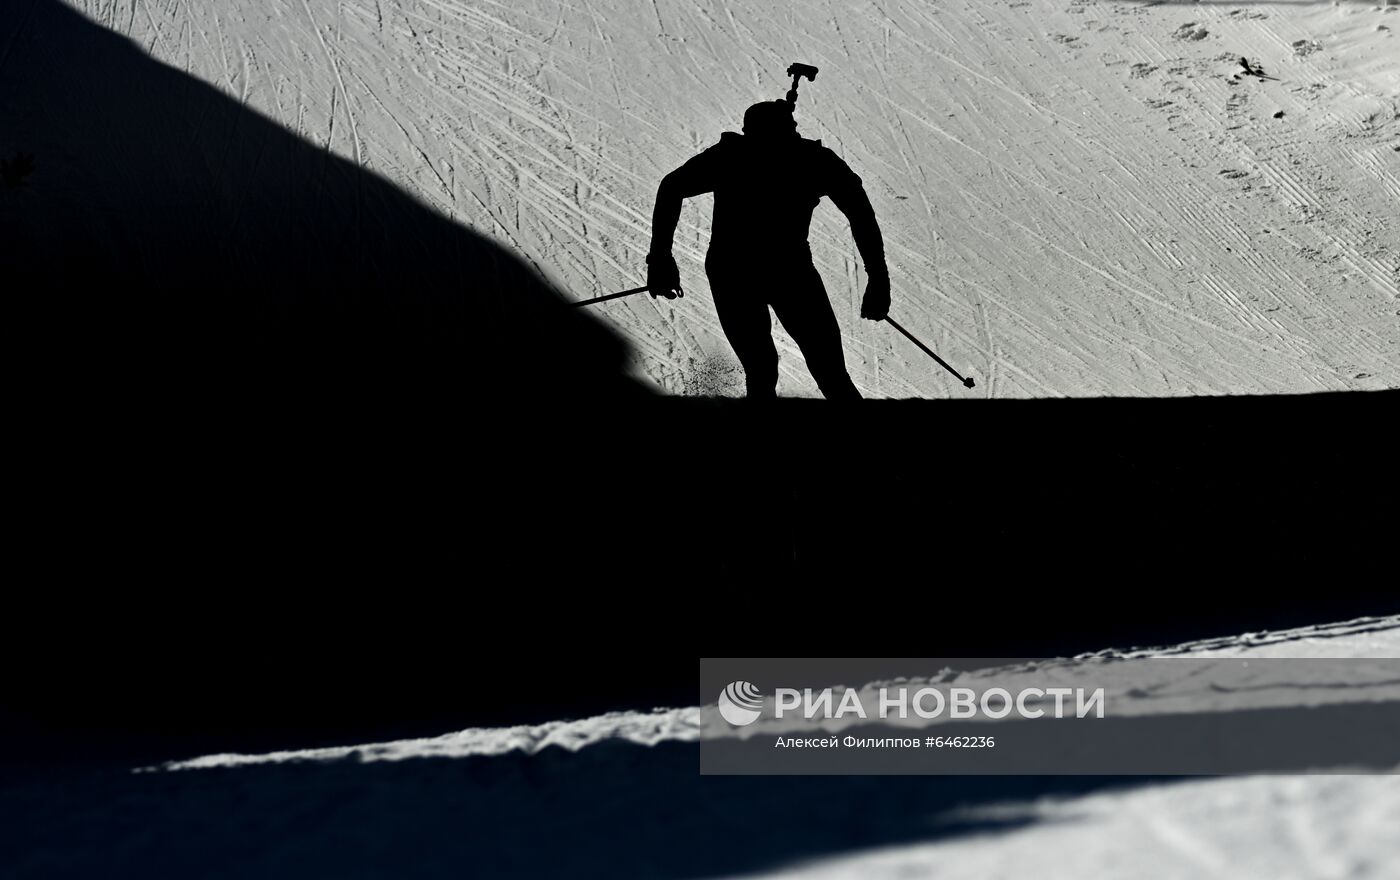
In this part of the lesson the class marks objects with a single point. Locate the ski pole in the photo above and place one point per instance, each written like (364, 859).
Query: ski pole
(928, 351)
(598, 299)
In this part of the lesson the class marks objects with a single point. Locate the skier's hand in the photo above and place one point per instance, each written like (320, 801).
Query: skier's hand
(663, 278)
(876, 304)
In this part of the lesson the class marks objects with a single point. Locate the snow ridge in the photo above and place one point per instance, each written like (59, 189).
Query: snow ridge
(1363, 637)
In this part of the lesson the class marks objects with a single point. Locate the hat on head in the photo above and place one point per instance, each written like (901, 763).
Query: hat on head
(768, 118)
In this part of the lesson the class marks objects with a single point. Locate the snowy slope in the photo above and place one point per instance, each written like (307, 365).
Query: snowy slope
(1272, 827)
(619, 795)
(1077, 200)
(1250, 827)
(1365, 637)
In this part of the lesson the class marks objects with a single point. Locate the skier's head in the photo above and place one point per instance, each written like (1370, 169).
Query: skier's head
(770, 120)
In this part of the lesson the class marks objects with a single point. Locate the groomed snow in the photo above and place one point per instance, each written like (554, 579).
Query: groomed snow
(1076, 196)
(1271, 828)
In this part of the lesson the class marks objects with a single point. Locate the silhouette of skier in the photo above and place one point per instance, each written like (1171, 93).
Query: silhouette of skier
(766, 182)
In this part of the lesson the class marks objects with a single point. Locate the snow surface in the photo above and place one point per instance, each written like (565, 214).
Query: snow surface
(1264, 827)
(1077, 197)
(1240, 827)
(621, 796)
(1367, 637)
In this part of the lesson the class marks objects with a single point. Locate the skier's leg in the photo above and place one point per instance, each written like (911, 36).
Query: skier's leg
(743, 314)
(806, 315)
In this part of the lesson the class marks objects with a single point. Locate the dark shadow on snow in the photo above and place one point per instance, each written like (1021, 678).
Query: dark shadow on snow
(251, 386)
(218, 334)
(618, 809)
(371, 601)
(611, 810)
(174, 254)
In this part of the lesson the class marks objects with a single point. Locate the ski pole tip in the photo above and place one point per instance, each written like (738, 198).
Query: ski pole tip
(968, 382)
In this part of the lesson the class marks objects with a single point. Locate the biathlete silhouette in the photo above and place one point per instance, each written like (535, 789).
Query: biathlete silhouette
(766, 183)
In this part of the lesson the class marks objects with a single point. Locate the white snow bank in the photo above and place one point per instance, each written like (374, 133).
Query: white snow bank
(1268, 827)
(1363, 638)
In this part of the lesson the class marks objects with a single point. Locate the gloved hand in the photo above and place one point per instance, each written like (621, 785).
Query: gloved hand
(663, 278)
(876, 304)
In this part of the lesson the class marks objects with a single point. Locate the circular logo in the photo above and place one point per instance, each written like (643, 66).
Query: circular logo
(740, 703)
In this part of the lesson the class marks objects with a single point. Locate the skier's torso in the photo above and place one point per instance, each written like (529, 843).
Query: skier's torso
(764, 197)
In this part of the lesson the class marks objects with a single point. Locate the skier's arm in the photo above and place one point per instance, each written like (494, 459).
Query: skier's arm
(848, 194)
(691, 179)
(695, 177)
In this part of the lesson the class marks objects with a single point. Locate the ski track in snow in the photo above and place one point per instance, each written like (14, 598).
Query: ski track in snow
(1076, 198)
